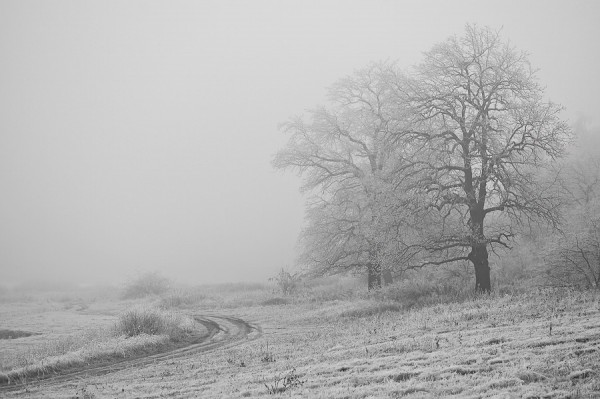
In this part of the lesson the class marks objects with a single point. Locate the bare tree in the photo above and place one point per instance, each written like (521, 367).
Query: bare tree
(488, 136)
(581, 179)
(465, 145)
(573, 254)
(367, 229)
(345, 156)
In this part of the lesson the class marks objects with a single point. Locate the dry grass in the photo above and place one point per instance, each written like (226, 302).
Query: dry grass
(484, 347)
(136, 331)
(543, 343)
(153, 321)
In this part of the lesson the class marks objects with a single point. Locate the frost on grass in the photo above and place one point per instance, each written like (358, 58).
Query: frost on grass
(153, 321)
(437, 351)
(139, 331)
(100, 351)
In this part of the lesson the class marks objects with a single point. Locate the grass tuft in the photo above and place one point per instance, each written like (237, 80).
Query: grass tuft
(152, 321)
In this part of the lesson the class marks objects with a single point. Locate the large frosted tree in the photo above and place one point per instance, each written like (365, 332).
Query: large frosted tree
(437, 166)
(489, 137)
(346, 156)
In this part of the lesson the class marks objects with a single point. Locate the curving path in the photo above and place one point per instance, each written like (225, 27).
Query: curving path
(222, 332)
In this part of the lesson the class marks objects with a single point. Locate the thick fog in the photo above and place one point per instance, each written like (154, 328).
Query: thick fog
(138, 135)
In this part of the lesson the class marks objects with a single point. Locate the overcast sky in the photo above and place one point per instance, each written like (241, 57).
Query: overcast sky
(138, 135)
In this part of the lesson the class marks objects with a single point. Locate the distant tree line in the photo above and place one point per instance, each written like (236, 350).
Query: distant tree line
(444, 163)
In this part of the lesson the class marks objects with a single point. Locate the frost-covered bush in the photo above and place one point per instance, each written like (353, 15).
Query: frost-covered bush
(152, 321)
(287, 282)
(146, 284)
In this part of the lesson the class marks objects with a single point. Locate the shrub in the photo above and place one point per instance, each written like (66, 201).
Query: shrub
(423, 289)
(146, 284)
(286, 281)
(573, 256)
(153, 321)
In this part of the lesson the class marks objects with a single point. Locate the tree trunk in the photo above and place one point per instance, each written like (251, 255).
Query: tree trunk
(374, 276)
(387, 277)
(479, 258)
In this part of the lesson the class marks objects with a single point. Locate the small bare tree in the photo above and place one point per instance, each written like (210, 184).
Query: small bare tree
(573, 257)
(352, 231)
(286, 281)
(573, 254)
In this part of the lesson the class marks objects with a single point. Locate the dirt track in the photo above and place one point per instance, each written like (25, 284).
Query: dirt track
(222, 332)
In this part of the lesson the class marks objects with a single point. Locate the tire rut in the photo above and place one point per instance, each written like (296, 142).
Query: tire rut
(222, 332)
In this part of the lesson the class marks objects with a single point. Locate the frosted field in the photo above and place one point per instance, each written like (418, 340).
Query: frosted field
(544, 344)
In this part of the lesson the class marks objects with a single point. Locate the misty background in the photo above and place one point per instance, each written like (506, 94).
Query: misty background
(137, 136)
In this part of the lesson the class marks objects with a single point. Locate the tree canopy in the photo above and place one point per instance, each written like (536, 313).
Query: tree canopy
(433, 166)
